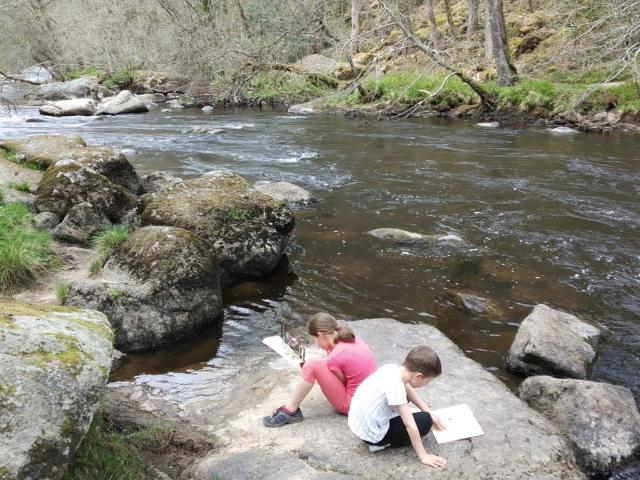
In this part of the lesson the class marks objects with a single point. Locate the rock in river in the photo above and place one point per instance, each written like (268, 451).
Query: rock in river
(285, 192)
(553, 342)
(67, 108)
(247, 229)
(160, 286)
(78, 88)
(403, 236)
(123, 102)
(54, 364)
(601, 420)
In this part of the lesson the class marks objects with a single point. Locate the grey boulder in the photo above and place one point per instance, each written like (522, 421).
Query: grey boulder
(158, 181)
(405, 237)
(285, 192)
(553, 342)
(46, 220)
(301, 109)
(158, 287)
(54, 365)
(66, 108)
(79, 88)
(81, 222)
(123, 102)
(248, 230)
(601, 420)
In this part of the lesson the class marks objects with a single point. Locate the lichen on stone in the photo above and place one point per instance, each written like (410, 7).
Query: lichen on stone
(70, 356)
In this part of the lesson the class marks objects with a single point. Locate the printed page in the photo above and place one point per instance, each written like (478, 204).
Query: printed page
(278, 345)
(459, 423)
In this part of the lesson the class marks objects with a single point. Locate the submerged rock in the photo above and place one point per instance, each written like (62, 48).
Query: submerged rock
(79, 88)
(489, 124)
(563, 130)
(81, 222)
(472, 303)
(601, 420)
(285, 192)
(553, 342)
(123, 102)
(54, 365)
(158, 287)
(247, 229)
(65, 108)
(403, 236)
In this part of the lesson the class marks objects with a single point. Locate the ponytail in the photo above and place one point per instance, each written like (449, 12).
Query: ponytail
(345, 334)
(324, 323)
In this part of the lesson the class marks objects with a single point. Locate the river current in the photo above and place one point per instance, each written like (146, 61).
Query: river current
(546, 218)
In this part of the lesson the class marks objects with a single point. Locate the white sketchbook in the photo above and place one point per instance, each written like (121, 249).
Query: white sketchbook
(459, 423)
(278, 345)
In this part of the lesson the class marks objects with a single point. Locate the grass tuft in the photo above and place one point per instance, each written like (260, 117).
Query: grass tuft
(104, 243)
(13, 157)
(20, 186)
(62, 292)
(121, 79)
(275, 85)
(25, 252)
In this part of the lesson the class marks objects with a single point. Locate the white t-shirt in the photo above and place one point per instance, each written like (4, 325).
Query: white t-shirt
(371, 406)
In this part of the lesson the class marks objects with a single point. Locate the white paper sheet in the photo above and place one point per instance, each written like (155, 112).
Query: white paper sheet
(278, 345)
(459, 423)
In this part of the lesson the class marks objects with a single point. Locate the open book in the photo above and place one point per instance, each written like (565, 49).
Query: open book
(459, 424)
(278, 345)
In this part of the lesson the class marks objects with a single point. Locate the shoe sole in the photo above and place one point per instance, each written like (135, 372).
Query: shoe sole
(288, 422)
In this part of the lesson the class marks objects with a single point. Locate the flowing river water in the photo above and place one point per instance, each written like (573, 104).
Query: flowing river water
(546, 218)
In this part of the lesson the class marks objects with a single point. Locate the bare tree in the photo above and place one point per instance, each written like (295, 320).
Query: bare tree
(432, 22)
(447, 9)
(355, 27)
(472, 19)
(505, 70)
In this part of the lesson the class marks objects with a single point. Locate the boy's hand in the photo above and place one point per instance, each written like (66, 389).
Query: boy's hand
(434, 461)
(437, 423)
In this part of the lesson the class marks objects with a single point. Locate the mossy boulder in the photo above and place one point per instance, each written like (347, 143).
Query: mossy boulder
(65, 185)
(82, 221)
(54, 364)
(248, 230)
(159, 286)
(47, 150)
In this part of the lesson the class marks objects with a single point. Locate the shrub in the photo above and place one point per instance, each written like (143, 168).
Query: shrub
(275, 85)
(25, 253)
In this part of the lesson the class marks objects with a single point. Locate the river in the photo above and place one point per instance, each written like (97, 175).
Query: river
(546, 218)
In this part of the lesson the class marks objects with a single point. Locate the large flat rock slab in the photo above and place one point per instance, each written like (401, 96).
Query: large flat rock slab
(519, 443)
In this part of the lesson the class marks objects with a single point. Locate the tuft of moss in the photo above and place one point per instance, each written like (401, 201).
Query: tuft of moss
(71, 356)
(75, 73)
(104, 243)
(237, 214)
(114, 293)
(26, 253)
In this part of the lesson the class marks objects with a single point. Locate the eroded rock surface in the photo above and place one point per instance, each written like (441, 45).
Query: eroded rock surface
(553, 342)
(160, 286)
(80, 223)
(123, 102)
(78, 88)
(601, 420)
(518, 443)
(247, 229)
(403, 236)
(285, 192)
(54, 364)
(67, 108)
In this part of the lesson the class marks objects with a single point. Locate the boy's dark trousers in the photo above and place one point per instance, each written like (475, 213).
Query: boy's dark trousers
(397, 435)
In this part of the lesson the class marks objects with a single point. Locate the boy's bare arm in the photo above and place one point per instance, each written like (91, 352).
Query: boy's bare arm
(414, 398)
(416, 441)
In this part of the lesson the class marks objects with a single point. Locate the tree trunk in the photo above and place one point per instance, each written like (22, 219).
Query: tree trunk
(355, 27)
(505, 70)
(472, 19)
(433, 23)
(447, 9)
(488, 41)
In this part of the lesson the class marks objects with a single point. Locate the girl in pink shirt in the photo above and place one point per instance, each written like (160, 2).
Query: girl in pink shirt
(349, 362)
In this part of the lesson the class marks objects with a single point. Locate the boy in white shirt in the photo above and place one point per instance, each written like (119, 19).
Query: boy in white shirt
(380, 413)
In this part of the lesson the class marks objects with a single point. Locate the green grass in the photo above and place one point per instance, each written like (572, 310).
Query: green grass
(108, 454)
(62, 292)
(75, 73)
(12, 157)
(121, 78)
(1, 197)
(275, 85)
(104, 243)
(237, 214)
(114, 293)
(20, 186)
(25, 253)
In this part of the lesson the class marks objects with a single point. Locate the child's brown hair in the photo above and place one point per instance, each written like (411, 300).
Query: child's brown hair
(324, 323)
(423, 360)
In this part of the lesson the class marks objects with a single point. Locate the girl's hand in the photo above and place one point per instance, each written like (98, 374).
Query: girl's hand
(437, 423)
(434, 461)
